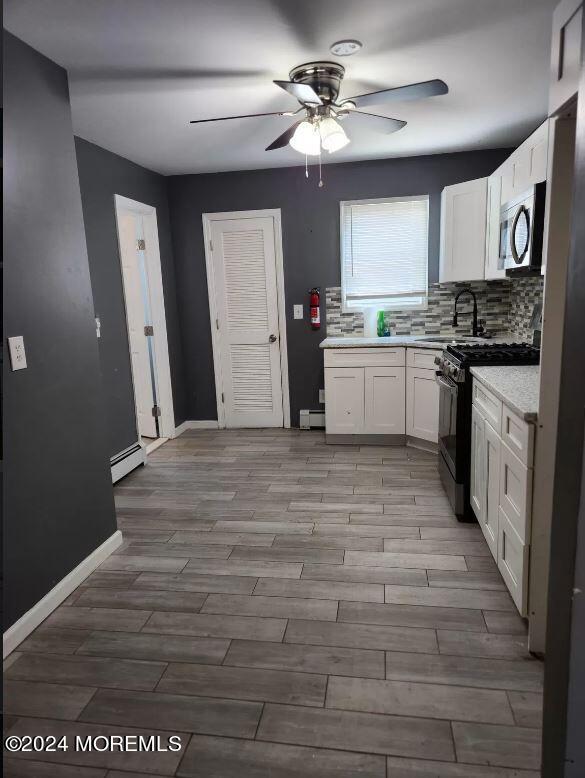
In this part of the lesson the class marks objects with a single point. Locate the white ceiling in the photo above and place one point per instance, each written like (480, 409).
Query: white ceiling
(140, 69)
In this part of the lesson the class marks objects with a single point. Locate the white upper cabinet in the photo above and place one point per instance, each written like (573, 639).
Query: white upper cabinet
(492, 233)
(525, 166)
(463, 231)
(565, 54)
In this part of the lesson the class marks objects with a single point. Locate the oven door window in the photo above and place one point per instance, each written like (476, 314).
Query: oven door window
(448, 394)
(520, 240)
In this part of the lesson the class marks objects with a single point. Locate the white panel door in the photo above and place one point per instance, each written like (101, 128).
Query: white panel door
(244, 279)
(489, 525)
(344, 400)
(136, 319)
(422, 404)
(384, 400)
(463, 225)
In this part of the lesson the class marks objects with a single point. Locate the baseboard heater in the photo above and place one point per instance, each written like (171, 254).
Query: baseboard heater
(309, 419)
(123, 463)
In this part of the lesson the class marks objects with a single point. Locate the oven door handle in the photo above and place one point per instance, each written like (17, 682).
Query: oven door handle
(445, 383)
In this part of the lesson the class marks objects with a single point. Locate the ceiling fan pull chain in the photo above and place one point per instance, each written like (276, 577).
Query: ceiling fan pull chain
(320, 177)
(306, 165)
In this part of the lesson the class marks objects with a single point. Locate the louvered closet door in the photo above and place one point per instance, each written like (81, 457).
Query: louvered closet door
(244, 266)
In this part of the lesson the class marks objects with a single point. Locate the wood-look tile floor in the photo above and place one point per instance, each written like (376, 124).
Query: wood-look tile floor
(290, 609)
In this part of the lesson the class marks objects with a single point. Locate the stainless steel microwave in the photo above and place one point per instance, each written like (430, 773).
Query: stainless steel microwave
(521, 231)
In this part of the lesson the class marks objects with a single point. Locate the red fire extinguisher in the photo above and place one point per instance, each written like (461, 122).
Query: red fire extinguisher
(314, 304)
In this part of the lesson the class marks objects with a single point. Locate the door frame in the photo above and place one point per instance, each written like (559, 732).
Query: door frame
(164, 389)
(208, 219)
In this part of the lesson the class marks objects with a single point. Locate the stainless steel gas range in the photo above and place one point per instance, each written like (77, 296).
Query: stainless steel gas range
(455, 380)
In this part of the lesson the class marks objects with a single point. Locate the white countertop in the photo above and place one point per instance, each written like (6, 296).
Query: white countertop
(438, 342)
(394, 340)
(516, 385)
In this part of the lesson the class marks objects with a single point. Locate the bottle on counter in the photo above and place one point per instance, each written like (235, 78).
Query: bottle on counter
(381, 324)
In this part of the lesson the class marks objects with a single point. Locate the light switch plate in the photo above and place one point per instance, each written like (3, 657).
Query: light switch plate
(322, 396)
(298, 311)
(17, 352)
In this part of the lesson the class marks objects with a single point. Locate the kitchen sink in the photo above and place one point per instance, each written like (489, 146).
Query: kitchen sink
(447, 339)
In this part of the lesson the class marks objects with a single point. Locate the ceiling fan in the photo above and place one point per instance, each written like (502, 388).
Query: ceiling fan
(316, 86)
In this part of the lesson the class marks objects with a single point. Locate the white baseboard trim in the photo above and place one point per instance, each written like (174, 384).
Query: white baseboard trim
(150, 447)
(196, 424)
(129, 463)
(21, 629)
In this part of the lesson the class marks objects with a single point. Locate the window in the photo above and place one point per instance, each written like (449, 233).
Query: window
(384, 253)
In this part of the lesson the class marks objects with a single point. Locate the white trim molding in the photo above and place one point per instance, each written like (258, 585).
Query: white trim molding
(275, 214)
(196, 424)
(21, 629)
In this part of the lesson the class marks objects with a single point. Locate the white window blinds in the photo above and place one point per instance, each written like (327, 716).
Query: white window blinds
(384, 252)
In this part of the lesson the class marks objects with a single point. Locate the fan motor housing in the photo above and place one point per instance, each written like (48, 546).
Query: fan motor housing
(324, 78)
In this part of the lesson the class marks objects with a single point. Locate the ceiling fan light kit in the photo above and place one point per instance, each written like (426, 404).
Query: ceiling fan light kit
(316, 86)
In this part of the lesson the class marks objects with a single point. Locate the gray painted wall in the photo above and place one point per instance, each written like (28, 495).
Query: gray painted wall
(101, 176)
(58, 494)
(310, 225)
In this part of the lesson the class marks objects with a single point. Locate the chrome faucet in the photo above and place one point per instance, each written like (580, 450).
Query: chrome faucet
(476, 328)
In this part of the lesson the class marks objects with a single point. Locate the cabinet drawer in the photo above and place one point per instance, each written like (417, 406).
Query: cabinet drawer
(513, 562)
(516, 492)
(422, 357)
(488, 404)
(364, 357)
(518, 435)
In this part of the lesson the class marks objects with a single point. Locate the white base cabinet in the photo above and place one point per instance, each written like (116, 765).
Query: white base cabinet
(501, 487)
(381, 391)
(344, 389)
(384, 400)
(422, 404)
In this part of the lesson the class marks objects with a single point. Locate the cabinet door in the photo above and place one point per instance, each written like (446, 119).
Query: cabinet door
(344, 400)
(463, 225)
(422, 404)
(477, 485)
(492, 235)
(489, 526)
(516, 492)
(384, 400)
(513, 562)
(565, 53)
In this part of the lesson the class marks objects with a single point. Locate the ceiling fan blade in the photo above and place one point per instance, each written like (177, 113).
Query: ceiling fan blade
(283, 139)
(303, 92)
(399, 93)
(386, 123)
(243, 116)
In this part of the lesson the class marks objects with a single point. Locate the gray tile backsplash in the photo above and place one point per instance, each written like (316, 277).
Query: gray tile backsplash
(505, 305)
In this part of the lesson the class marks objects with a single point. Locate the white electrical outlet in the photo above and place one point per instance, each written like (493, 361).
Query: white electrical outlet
(298, 311)
(17, 352)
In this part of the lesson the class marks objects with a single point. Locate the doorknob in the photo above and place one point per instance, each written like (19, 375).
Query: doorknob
(272, 339)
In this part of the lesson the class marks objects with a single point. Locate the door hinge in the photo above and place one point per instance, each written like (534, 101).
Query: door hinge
(217, 324)
(148, 329)
(140, 244)
(222, 397)
(156, 411)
